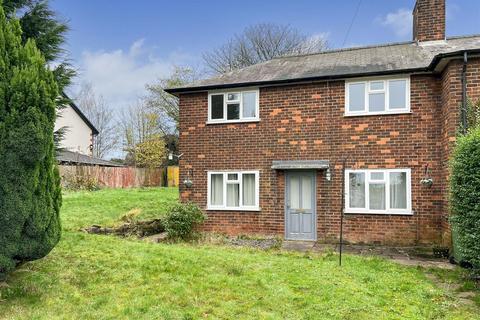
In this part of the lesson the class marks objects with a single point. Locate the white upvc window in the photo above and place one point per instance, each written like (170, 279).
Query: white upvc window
(233, 106)
(377, 96)
(233, 190)
(386, 191)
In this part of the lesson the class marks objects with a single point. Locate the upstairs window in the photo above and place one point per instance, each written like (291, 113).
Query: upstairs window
(377, 96)
(378, 191)
(235, 106)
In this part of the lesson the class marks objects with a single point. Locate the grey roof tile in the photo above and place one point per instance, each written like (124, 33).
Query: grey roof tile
(70, 157)
(396, 57)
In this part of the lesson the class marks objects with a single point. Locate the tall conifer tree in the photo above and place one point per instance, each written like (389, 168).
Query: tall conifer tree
(40, 23)
(30, 195)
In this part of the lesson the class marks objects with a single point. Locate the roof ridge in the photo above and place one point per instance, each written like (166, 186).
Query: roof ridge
(388, 44)
(346, 49)
(464, 36)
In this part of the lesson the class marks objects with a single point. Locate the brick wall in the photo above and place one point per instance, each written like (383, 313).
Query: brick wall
(451, 101)
(429, 20)
(306, 122)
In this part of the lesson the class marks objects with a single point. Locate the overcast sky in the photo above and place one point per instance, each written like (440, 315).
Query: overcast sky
(119, 46)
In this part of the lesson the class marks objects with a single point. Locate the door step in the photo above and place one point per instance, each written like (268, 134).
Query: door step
(298, 245)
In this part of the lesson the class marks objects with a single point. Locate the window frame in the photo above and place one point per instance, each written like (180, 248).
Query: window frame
(386, 179)
(225, 94)
(239, 181)
(386, 88)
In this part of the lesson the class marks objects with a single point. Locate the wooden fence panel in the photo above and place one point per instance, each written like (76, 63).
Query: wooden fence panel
(173, 176)
(117, 177)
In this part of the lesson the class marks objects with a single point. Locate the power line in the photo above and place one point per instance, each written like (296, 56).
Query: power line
(348, 31)
(351, 23)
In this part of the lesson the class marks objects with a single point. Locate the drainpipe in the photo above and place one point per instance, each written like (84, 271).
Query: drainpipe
(464, 93)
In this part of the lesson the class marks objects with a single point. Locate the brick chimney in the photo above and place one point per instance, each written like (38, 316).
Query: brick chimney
(429, 20)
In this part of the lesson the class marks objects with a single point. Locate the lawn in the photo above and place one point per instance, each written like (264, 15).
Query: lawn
(104, 277)
(105, 207)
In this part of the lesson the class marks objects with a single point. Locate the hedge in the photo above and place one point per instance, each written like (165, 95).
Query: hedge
(465, 195)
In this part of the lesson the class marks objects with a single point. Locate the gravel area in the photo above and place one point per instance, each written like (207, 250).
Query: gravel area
(263, 244)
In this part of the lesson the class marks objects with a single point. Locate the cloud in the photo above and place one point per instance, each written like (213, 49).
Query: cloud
(314, 43)
(120, 75)
(319, 36)
(400, 21)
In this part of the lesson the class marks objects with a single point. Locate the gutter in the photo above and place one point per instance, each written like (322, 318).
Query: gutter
(436, 60)
(430, 68)
(175, 91)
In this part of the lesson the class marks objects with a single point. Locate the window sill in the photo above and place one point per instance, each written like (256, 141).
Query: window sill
(256, 209)
(400, 213)
(233, 121)
(362, 114)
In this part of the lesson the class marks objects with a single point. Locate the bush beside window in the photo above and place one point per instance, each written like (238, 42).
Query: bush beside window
(465, 195)
(182, 219)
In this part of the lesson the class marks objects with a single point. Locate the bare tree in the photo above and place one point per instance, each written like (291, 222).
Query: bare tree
(137, 124)
(260, 43)
(165, 104)
(100, 114)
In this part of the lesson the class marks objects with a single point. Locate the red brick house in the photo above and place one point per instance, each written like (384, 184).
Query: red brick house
(264, 146)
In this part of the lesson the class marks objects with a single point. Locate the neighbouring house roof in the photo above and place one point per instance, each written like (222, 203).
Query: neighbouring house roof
(300, 164)
(391, 58)
(75, 158)
(82, 115)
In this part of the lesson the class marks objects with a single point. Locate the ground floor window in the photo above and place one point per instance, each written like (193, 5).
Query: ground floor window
(378, 191)
(233, 190)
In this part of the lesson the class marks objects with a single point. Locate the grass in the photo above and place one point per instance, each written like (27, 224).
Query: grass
(107, 206)
(104, 277)
(459, 278)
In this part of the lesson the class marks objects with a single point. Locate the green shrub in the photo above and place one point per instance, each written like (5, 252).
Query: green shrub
(473, 114)
(77, 182)
(30, 195)
(465, 195)
(182, 219)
